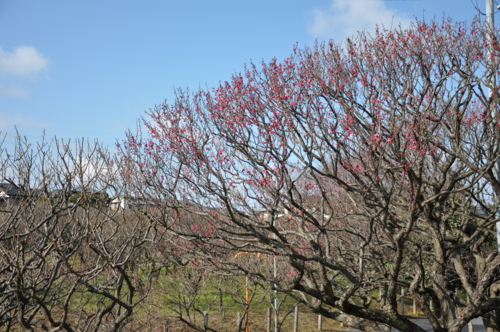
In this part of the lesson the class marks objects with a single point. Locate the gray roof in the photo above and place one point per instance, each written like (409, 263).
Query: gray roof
(9, 189)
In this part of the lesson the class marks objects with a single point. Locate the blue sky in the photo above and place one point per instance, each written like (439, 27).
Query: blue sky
(92, 68)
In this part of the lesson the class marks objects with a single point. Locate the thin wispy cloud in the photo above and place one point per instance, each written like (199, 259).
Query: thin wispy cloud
(13, 92)
(22, 61)
(345, 18)
(7, 122)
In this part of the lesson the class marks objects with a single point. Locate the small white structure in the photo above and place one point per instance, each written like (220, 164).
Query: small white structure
(128, 203)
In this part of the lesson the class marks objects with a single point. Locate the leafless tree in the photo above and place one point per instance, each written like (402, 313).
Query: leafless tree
(67, 261)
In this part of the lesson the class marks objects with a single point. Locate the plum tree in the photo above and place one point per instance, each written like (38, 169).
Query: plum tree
(360, 165)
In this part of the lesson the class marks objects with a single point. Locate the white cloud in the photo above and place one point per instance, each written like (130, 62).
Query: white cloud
(13, 92)
(346, 17)
(8, 122)
(23, 61)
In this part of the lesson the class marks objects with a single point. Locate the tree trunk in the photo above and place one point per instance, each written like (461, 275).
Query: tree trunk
(492, 321)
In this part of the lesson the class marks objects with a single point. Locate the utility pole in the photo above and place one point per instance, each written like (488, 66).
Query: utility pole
(490, 22)
(275, 275)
